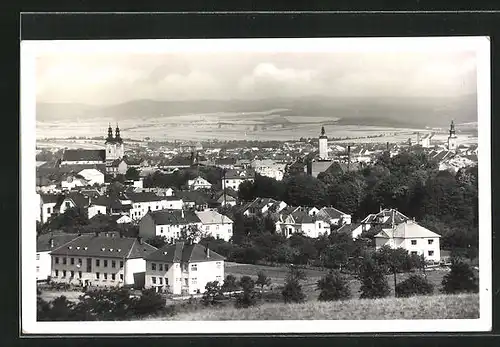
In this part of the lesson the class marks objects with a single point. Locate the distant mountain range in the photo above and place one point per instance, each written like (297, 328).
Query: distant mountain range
(398, 112)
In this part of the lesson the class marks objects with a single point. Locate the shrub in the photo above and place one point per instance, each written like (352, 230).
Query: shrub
(230, 284)
(373, 281)
(460, 279)
(333, 287)
(213, 294)
(247, 298)
(263, 280)
(292, 291)
(150, 302)
(414, 285)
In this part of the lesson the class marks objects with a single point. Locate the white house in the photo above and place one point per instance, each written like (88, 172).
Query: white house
(216, 225)
(183, 269)
(48, 207)
(333, 216)
(72, 200)
(386, 218)
(104, 260)
(299, 220)
(412, 237)
(44, 245)
(168, 223)
(199, 183)
(144, 202)
(92, 176)
(263, 205)
(73, 181)
(233, 179)
(269, 168)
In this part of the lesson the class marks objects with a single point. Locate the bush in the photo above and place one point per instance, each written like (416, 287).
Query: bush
(247, 298)
(373, 281)
(460, 279)
(213, 294)
(414, 285)
(230, 284)
(292, 291)
(150, 302)
(333, 287)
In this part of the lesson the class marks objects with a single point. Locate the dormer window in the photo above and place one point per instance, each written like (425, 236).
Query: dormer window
(111, 249)
(119, 250)
(77, 247)
(103, 249)
(70, 247)
(85, 248)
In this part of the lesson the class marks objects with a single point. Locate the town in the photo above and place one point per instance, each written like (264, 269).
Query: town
(182, 220)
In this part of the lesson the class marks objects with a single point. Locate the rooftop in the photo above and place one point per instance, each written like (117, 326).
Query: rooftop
(182, 253)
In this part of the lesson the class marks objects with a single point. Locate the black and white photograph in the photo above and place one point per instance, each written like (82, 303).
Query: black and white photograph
(257, 185)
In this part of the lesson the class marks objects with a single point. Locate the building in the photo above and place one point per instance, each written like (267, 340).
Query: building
(385, 218)
(102, 260)
(116, 167)
(144, 202)
(269, 168)
(48, 203)
(227, 198)
(194, 200)
(115, 149)
(412, 237)
(44, 245)
(168, 223)
(262, 206)
(199, 183)
(452, 138)
(183, 268)
(83, 157)
(216, 225)
(300, 221)
(323, 145)
(92, 176)
(71, 181)
(233, 178)
(334, 217)
(425, 141)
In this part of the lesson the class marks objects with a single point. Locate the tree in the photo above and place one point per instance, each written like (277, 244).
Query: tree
(262, 280)
(414, 285)
(230, 284)
(247, 297)
(149, 302)
(373, 281)
(191, 234)
(213, 294)
(292, 291)
(333, 286)
(132, 174)
(304, 190)
(72, 220)
(460, 279)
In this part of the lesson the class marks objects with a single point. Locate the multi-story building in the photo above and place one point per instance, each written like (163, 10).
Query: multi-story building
(215, 224)
(183, 268)
(44, 245)
(233, 179)
(104, 260)
(412, 237)
(168, 223)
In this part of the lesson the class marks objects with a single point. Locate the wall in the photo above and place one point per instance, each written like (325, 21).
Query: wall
(92, 176)
(169, 277)
(225, 231)
(323, 148)
(45, 214)
(147, 227)
(134, 267)
(95, 209)
(206, 272)
(422, 247)
(43, 265)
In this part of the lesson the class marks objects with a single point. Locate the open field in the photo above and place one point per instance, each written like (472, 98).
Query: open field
(463, 306)
(278, 274)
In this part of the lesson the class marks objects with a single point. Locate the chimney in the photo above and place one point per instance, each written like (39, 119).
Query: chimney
(207, 251)
(51, 242)
(387, 145)
(309, 167)
(96, 234)
(140, 240)
(182, 213)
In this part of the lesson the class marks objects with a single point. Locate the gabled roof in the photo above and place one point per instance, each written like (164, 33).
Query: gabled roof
(238, 174)
(79, 167)
(225, 161)
(193, 196)
(173, 217)
(51, 198)
(302, 217)
(331, 212)
(213, 217)
(84, 155)
(43, 242)
(392, 214)
(179, 161)
(80, 200)
(347, 228)
(408, 229)
(111, 246)
(182, 253)
(143, 197)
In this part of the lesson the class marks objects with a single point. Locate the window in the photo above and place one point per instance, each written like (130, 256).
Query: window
(56, 273)
(80, 261)
(105, 263)
(319, 225)
(218, 278)
(414, 252)
(430, 242)
(413, 242)
(161, 267)
(113, 263)
(121, 277)
(97, 262)
(38, 269)
(219, 264)
(153, 279)
(68, 204)
(72, 274)
(121, 263)
(194, 267)
(37, 256)
(153, 266)
(161, 230)
(113, 277)
(97, 275)
(207, 227)
(160, 279)
(57, 260)
(64, 261)
(105, 276)
(79, 274)
(64, 273)
(48, 209)
(194, 280)
(217, 227)
(72, 261)
(431, 253)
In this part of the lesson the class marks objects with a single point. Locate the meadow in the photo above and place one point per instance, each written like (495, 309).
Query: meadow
(461, 306)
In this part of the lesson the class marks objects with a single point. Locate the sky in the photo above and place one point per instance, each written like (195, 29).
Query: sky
(116, 77)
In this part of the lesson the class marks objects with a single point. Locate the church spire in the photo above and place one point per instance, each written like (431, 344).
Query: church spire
(323, 132)
(117, 134)
(110, 138)
(452, 128)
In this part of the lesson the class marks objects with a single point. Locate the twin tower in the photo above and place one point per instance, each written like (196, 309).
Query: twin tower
(114, 145)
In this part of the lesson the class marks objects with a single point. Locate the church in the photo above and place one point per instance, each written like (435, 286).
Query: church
(111, 157)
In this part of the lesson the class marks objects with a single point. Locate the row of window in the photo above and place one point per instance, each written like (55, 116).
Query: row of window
(97, 262)
(64, 274)
(429, 242)
(160, 267)
(429, 253)
(160, 280)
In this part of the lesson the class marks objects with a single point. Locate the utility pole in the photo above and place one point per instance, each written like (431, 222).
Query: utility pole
(348, 157)
(224, 185)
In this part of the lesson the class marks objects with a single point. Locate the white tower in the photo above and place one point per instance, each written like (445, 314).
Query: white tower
(323, 145)
(110, 146)
(452, 139)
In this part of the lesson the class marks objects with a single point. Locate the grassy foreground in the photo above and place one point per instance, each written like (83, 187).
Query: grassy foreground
(460, 306)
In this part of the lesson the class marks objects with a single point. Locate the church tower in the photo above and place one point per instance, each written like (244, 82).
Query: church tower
(323, 145)
(452, 138)
(119, 148)
(110, 145)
